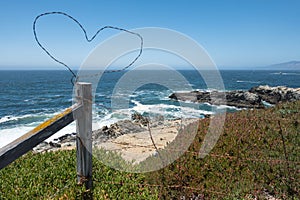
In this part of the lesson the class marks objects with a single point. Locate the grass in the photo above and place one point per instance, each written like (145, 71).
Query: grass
(257, 155)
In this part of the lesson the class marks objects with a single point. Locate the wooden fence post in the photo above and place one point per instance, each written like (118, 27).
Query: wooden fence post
(84, 134)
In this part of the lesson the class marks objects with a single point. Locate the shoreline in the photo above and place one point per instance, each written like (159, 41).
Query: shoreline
(130, 138)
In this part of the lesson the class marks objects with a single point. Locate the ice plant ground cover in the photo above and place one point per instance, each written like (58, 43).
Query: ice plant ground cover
(257, 156)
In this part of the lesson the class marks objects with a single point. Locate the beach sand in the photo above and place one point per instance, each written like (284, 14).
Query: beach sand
(137, 147)
(133, 147)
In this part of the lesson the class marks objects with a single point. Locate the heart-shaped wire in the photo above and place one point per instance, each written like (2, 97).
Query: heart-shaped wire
(87, 39)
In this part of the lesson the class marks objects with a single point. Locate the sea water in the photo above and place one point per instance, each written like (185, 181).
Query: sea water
(28, 98)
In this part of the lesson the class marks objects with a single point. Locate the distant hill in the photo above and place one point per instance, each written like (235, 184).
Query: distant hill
(292, 65)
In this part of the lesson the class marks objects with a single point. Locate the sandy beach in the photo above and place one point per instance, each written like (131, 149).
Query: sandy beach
(134, 145)
(138, 146)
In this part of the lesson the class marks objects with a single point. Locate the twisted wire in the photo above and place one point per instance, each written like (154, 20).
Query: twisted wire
(74, 76)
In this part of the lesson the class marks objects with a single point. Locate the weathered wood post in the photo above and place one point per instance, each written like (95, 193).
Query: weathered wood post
(84, 134)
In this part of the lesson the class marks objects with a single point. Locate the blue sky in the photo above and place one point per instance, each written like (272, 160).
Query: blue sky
(242, 34)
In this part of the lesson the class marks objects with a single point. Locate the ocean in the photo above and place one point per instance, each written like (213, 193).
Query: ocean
(28, 98)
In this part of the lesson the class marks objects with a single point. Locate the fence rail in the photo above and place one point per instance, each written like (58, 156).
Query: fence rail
(81, 111)
(26, 142)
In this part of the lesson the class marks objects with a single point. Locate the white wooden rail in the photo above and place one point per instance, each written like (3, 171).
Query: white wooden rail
(82, 113)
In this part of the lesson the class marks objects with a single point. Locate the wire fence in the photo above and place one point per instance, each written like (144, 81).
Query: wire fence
(265, 167)
(263, 161)
(270, 169)
(88, 39)
(257, 157)
(184, 190)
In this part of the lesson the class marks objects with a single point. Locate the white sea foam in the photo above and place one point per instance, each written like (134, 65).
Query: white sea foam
(9, 135)
(111, 118)
(221, 107)
(9, 118)
(170, 110)
(216, 107)
(5, 119)
(181, 91)
(15, 118)
(286, 73)
(240, 81)
(267, 104)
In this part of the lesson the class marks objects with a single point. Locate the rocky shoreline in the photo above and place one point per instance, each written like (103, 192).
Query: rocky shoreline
(137, 124)
(253, 98)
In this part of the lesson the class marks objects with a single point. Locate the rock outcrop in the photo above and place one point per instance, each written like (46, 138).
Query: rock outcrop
(276, 95)
(242, 99)
(138, 123)
(64, 142)
(115, 130)
(103, 134)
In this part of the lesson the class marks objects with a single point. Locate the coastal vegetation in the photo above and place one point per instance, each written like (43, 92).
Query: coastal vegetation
(256, 157)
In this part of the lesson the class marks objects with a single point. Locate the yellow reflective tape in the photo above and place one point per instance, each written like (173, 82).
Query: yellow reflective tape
(46, 124)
